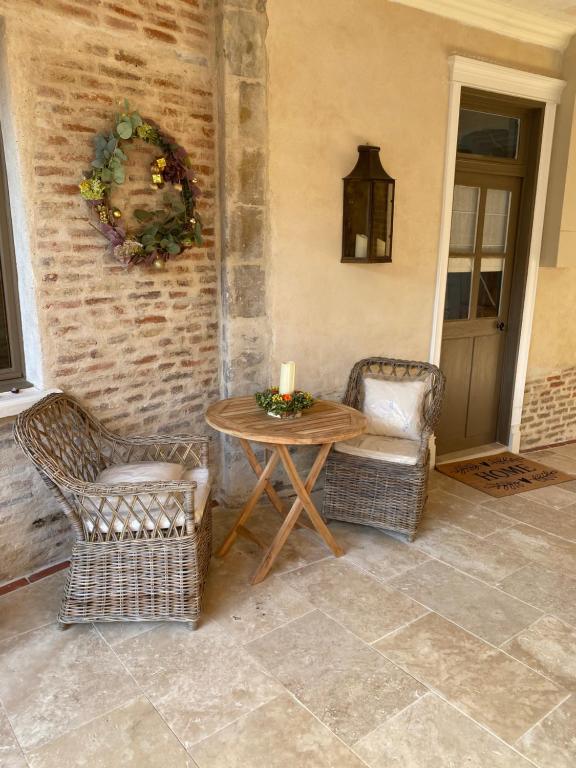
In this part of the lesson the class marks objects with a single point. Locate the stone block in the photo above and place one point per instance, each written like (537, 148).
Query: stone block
(242, 374)
(252, 177)
(252, 119)
(246, 291)
(245, 232)
(244, 35)
(248, 5)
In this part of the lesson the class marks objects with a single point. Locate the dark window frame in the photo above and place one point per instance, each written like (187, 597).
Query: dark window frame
(14, 376)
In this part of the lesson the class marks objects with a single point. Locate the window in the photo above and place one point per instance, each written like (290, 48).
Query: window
(11, 356)
(483, 133)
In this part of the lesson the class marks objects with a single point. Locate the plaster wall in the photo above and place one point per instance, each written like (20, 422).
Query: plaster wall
(328, 92)
(553, 349)
(553, 344)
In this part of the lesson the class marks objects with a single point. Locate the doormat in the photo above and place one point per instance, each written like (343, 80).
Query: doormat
(503, 474)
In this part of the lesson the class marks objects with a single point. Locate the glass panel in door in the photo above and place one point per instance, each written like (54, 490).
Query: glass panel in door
(464, 219)
(458, 288)
(490, 287)
(496, 220)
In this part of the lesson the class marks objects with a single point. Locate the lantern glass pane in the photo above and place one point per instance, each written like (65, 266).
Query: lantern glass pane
(381, 219)
(356, 218)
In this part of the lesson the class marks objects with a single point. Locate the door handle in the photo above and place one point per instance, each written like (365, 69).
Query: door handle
(500, 325)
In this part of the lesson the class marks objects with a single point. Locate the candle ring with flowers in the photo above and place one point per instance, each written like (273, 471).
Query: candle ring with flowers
(162, 233)
(286, 406)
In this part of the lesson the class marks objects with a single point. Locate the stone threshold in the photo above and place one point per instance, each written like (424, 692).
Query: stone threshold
(27, 580)
(547, 447)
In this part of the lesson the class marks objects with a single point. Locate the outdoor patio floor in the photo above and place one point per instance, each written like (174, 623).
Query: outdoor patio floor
(456, 650)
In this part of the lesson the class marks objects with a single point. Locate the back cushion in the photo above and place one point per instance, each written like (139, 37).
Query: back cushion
(394, 408)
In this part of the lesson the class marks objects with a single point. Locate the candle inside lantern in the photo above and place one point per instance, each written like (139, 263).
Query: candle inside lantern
(361, 250)
(287, 376)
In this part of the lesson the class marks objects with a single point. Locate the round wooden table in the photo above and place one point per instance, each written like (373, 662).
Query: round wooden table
(323, 424)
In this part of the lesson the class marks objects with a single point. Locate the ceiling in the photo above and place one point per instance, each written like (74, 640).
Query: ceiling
(558, 8)
(545, 22)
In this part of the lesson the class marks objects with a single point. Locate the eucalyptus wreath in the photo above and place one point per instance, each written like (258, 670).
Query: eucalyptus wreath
(162, 233)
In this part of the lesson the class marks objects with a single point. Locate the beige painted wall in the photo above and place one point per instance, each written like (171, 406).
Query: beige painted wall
(338, 79)
(560, 221)
(553, 347)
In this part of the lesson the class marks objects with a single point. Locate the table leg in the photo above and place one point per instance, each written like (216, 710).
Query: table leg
(303, 501)
(259, 489)
(269, 489)
(303, 491)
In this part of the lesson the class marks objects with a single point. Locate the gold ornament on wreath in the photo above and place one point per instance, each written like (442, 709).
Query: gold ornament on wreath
(162, 234)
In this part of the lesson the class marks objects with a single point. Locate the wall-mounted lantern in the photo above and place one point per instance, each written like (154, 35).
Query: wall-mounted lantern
(368, 210)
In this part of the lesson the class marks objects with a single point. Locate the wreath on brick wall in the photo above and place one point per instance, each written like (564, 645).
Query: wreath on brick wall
(163, 233)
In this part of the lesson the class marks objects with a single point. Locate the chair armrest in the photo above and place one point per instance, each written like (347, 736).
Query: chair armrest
(161, 439)
(138, 507)
(134, 489)
(191, 450)
(424, 449)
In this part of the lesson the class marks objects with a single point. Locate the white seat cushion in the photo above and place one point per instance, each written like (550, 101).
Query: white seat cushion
(201, 476)
(381, 448)
(149, 510)
(394, 408)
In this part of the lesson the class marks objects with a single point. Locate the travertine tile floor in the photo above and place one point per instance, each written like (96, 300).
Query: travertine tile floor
(458, 650)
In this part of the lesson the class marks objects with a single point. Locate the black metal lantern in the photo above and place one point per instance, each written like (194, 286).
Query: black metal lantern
(368, 210)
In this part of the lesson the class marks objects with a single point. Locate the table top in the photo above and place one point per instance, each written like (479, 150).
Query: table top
(325, 422)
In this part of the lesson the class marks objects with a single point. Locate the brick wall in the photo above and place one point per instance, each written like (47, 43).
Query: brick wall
(33, 530)
(549, 414)
(140, 348)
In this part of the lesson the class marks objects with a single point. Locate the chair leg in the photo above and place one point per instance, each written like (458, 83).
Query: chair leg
(61, 626)
(192, 625)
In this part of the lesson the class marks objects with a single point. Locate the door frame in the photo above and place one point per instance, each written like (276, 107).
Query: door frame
(482, 76)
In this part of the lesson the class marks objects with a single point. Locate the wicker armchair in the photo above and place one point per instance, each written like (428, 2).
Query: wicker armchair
(381, 493)
(142, 550)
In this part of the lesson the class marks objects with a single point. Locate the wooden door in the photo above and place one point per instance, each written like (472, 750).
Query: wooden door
(479, 280)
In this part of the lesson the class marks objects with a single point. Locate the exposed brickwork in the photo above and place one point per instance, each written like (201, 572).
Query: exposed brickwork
(33, 531)
(549, 414)
(140, 348)
(11, 586)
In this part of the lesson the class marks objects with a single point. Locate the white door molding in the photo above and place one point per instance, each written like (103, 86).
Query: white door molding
(497, 79)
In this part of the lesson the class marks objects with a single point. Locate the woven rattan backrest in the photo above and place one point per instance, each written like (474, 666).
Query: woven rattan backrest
(389, 368)
(62, 439)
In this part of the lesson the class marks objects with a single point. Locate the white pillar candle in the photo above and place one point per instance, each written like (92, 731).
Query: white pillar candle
(287, 376)
(361, 249)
